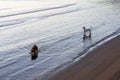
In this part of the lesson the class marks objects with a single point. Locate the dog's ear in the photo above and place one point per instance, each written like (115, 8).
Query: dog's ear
(83, 27)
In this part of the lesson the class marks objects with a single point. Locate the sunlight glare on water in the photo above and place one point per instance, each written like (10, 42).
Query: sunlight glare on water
(32, 4)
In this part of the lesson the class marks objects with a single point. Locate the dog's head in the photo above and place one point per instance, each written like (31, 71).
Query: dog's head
(34, 46)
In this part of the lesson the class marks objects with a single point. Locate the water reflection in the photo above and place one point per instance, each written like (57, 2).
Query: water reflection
(87, 42)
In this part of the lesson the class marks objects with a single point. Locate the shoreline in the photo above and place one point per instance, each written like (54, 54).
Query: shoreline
(101, 63)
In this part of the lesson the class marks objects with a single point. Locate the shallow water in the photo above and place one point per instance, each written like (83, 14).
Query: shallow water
(56, 27)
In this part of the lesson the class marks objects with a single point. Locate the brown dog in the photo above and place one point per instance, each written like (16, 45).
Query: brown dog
(34, 52)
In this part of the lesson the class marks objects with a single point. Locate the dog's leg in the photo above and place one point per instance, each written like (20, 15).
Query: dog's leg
(34, 56)
(84, 36)
(90, 34)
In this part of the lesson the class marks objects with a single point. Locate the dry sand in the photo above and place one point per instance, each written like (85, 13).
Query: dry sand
(103, 63)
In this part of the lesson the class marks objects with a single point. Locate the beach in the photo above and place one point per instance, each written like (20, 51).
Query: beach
(102, 63)
(56, 27)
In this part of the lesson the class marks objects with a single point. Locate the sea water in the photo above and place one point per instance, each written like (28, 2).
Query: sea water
(56, 27)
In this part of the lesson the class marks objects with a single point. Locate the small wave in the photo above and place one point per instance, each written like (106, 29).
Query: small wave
(11, 22)
(7, 64)
(30, 67)
(46, 16)
(4, 9)
(46, 9)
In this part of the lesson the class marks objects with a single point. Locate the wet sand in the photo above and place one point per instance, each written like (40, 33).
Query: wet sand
(103, 63)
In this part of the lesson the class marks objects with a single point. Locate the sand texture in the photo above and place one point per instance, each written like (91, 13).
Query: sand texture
(103, 63)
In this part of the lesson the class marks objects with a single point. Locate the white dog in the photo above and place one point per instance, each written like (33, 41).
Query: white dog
(87, 32)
